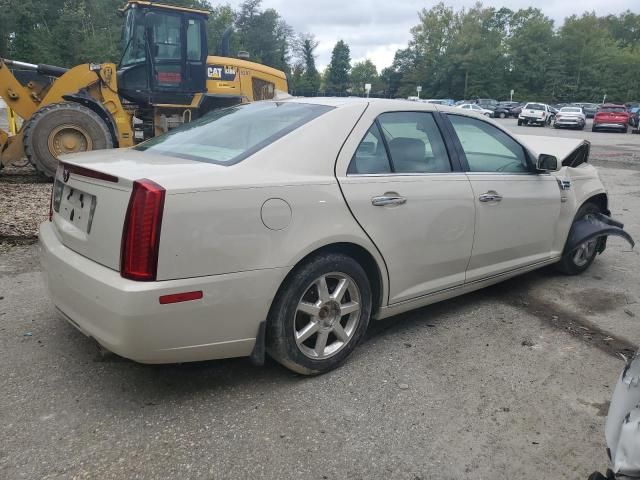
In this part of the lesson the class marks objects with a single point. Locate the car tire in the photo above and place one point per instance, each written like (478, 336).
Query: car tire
(519, 122)
(502, 115)
(307, 331)
(594, 129)
(577, 261)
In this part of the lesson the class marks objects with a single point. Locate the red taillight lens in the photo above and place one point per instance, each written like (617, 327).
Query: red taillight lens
(141, 233)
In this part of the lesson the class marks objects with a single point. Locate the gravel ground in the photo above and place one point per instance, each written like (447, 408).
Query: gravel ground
(509, 382)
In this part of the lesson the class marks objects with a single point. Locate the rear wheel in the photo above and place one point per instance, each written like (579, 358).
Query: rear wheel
(519, 122)
(581, 258)
(63, 128)
(320, 314)
(502, 115)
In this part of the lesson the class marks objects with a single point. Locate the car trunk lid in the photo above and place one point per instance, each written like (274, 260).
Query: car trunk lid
(91, 195)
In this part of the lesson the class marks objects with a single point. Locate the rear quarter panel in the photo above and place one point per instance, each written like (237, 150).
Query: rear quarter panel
(223, 230)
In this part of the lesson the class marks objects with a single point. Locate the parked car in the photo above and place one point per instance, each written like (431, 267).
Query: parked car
(535, 114)
(287, 225)
(487, 103)
(475, 108)
(634, 116)
(504, 109)
(590, 109)
(517, 110)
(611, 117)
(441, 101)
(570, 117)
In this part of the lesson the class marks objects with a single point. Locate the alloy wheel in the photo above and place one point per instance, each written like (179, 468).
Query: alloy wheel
(327, 315)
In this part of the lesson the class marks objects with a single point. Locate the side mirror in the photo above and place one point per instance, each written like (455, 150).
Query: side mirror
(547, 163)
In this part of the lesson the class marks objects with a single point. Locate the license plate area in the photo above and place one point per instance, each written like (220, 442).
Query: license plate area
(76, 207)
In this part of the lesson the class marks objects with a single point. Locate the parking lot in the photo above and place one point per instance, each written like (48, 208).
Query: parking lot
(506, 383)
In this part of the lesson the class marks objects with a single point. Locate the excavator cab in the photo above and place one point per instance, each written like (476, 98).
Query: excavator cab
(164, 54)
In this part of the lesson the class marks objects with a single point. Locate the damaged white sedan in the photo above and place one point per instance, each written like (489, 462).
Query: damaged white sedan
(285, 226)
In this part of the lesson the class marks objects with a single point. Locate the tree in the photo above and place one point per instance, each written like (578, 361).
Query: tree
(339, 67)
(306, 78)
(362, 73)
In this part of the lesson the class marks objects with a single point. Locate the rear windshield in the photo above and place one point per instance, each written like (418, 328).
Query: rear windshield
(534, 106)
(613, 109)
(232, 134)
(571, 110)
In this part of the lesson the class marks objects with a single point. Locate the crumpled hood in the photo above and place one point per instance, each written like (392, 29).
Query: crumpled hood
(559, 147)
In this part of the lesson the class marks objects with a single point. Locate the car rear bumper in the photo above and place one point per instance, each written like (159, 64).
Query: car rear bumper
(126, 317)
(617, 126)
(573, 122)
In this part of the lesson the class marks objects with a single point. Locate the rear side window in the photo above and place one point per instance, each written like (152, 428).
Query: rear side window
(371, 155)
(232, 134)
(487, 148)
(413, 141)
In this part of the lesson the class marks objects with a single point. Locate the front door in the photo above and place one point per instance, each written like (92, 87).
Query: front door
(517, 209)
(404, 193)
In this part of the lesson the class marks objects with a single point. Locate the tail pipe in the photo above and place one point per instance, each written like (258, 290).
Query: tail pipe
(41, 68)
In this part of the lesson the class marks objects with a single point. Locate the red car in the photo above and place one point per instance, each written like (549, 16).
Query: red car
(611, 117)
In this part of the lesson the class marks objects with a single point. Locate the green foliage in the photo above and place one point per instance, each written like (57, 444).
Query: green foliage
(484, 52)
(362, 73)
(306, 79)
(337, 75)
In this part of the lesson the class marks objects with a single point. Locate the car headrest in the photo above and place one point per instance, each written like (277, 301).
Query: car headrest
(407, 149)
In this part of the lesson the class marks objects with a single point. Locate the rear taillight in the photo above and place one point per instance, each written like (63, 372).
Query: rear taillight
(141, 233)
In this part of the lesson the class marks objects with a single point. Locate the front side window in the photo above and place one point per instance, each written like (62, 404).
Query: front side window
(487, 148)
(232, 134)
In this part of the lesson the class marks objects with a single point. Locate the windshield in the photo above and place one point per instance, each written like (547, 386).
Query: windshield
(534, 106)
(613, 109)
(232, 134)
(571, 110)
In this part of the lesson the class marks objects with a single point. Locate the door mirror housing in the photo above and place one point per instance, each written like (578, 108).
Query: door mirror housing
(547, 163)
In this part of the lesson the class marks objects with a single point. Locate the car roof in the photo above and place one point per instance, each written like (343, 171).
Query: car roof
(338, 102)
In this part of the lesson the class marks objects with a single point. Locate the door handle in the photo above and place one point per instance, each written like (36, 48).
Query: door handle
(490, 196)
(386, 200)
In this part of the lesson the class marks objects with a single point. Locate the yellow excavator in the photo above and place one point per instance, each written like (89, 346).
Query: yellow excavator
(165, 78)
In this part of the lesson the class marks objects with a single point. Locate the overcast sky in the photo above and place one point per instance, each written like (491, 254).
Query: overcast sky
(375, 29)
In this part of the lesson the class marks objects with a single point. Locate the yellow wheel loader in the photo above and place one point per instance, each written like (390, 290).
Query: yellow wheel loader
(165, 78)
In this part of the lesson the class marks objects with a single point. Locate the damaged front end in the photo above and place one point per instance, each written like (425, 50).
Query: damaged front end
(595, 226)
(622, 429)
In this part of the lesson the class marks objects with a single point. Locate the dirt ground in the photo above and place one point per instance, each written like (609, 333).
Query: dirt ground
(511, 382)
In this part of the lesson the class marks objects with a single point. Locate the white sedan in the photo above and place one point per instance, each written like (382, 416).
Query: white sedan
(476, 109)
(285, 226)
(570, 117)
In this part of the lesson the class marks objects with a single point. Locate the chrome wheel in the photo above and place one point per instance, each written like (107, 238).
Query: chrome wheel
(327, 315)
(584, 252)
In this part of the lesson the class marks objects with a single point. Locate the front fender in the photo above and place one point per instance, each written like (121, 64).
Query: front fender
(593, 226)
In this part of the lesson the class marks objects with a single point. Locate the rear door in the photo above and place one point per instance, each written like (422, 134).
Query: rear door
(417, 208)
(517, 209)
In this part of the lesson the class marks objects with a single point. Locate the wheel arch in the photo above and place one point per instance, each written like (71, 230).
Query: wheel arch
(599, 199)
(376, 273)
(83, 98)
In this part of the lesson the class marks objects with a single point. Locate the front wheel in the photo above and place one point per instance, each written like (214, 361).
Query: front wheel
(320, 314)
(580, 258)
(503, 115)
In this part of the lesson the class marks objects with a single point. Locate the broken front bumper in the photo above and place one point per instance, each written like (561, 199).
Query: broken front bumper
(595, 226)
